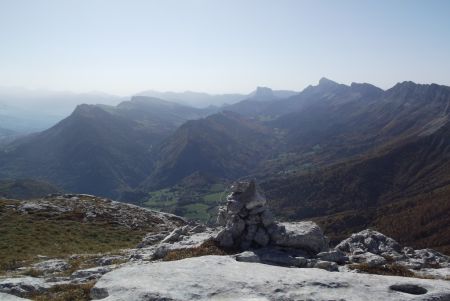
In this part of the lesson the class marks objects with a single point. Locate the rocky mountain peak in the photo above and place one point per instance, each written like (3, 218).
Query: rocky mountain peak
(327, 82)
(262, 94)
(88, 110)
(83, 108)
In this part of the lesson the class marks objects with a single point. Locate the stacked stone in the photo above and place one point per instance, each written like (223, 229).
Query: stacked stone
(246, 219)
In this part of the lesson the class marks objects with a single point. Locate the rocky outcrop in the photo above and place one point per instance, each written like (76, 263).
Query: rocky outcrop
(76, 269)
(92, 208)
(369, 241)
(155, 246)
(248, 223)
(51, 266)
(375, 249)
(223, 278)
(82, 276)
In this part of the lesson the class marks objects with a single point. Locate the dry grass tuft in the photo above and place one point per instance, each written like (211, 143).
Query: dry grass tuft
(388, 269)
(66, 292)
(207, 248)
(33, 273)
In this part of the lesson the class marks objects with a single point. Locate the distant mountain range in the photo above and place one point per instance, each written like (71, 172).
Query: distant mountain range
(203, 100)
(350, 156)
(97, 149)
(25, 111)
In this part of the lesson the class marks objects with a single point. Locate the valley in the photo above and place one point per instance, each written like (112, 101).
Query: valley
(224, 150)
(348, 156)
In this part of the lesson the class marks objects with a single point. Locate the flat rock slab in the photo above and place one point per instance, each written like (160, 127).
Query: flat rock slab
(223, 278)
(8, 297)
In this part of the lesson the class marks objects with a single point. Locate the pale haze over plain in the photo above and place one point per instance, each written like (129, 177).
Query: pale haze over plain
(123, 47)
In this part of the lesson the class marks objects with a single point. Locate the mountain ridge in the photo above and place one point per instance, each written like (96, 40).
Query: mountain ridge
(146, 150)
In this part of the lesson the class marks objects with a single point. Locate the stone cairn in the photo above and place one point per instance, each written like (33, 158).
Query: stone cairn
(246, 219)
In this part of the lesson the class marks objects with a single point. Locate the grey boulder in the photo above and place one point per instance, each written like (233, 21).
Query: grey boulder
(370, 259)
(333, 256)
(301, 235)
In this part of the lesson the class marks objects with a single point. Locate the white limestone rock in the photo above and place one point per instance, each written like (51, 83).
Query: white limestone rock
(373, 248)
(173, 236)
(191, 240)
(427, 258)
(51, 266)
(247, 256)
(370, 259)
(223, 278)
(439, 273)
(86, 275)
(326, 265)
(110, 259)
(369, 241)
(23, 285)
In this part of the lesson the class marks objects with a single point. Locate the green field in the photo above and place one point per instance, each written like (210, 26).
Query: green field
(194, 204)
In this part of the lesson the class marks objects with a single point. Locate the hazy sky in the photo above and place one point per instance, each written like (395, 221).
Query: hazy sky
(127, 46)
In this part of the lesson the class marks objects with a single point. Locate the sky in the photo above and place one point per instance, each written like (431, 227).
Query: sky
(126, 46)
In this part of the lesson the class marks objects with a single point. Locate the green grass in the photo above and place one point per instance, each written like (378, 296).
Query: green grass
(214, 198)
(160, 199)
(24, 236)
(218, 187)
(197, 211)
